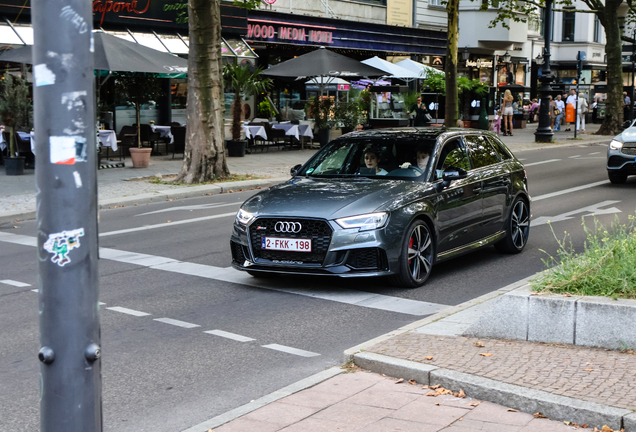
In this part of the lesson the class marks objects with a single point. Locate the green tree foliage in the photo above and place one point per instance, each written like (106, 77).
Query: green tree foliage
(244, 83)
(139, 88)
(15, 107)
(321, 109)
(348, 114)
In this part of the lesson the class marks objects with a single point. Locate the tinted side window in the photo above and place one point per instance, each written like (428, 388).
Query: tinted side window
(453, 155)
(481, 151)
(500, 148)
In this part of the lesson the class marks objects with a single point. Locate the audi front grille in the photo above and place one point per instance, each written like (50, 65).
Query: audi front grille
(318, 231)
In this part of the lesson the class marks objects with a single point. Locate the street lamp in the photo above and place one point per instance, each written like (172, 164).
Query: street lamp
(465, 54)
(544, 133)
(506, 57)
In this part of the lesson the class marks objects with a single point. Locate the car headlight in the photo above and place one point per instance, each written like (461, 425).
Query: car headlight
(364, 222)
(616, 145)
(243, 217)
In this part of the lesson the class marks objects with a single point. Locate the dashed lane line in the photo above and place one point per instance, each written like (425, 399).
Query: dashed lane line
(128, 311)
(571, 190)
(15, 283)
(162, 225)
(290, 350)
(541, 162)
(229, 335)
(177, 323)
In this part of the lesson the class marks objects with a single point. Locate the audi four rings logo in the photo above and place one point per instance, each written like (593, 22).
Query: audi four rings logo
(288, 227)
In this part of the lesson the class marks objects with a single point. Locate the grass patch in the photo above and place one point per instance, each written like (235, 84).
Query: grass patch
(170, 179)
(605, 267)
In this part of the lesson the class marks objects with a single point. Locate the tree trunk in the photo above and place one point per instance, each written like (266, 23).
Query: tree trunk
(612, 124)
(137, 109)
(450, 116)
(236, 117)
(204, 157)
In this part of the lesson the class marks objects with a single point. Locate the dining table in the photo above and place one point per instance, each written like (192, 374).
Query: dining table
(296, 130)
(108, 138)
(164, 131)
(252, 131)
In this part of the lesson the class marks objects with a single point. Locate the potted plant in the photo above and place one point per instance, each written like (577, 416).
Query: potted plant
(265, 110)
(348, 115)
(244, 83)
(14, 110)
(139, 88)
(436, 82)
(321, 109)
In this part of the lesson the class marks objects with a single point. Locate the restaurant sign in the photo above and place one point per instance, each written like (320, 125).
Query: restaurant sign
(479, 63)
(263, 30)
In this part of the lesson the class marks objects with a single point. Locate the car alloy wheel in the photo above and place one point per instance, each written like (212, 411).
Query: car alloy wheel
(417, 255)
(517, 230)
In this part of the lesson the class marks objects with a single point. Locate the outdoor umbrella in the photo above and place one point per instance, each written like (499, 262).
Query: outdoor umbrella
(116, 54)
(421, 69)
(391, 70)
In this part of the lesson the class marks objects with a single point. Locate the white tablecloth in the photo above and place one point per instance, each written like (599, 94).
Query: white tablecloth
(295, 130)
(164, 132)
(108, 138)
(253, 131)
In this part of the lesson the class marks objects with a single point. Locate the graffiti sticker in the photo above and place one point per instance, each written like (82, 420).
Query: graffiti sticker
(60, 244)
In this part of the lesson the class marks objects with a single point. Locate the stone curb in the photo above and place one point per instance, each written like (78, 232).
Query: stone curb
(266, 400)
(521, 398)
(512, 146)
(190, 192)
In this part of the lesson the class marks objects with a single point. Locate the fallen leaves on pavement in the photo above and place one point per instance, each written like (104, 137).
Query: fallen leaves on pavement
(513, 410)
(607, 429)
(401, 380)
(474, 404)
(479, 344)
(429, 358)
(589, 370)
(539, 415)
(412, 382)
(485, 354)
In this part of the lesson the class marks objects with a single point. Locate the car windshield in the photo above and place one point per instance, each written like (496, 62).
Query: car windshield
(372, 158)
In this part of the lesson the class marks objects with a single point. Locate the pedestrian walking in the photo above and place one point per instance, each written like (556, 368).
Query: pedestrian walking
(508, 112)
(560, 106)
(581, 110)
(571, 100)
(553, 110)
(626, 105)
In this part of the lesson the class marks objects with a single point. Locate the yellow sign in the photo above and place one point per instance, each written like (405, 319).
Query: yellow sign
(399, 13)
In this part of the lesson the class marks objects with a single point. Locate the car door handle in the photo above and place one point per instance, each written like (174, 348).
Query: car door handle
(477, 189)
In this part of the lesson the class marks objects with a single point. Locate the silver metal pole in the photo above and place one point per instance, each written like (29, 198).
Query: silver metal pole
(66, 179)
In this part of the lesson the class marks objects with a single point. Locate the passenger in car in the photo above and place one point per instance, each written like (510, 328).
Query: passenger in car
(423, 154)
(372, 159)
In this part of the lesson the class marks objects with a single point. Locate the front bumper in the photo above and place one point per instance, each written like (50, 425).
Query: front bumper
(344, 253)
(622, 161)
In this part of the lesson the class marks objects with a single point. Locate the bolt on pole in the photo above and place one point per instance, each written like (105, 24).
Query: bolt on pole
(66, 180)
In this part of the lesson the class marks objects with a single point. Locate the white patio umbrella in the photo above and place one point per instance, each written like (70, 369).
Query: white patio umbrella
(392, 70)
(421, 69)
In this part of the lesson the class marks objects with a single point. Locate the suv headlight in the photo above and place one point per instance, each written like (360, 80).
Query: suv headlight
(616, 145)
(364, 222)
(243, 217)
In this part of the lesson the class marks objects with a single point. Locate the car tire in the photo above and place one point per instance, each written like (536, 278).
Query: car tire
(262, 275)
(617, 178)
(517, 228)
(416, 256)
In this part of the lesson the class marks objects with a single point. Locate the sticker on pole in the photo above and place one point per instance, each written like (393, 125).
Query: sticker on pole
(66, 150)
(60, 244)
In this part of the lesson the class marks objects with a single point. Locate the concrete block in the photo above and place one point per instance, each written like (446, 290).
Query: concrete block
(605, 323)
(551, 319)
(629, 422)
(394, 367)
(507, 318)
(530, 400)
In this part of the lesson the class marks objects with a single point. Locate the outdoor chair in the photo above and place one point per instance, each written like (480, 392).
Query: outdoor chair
(152, 138)
(276, 136)
(24, 149)
(256, 139)
(179, 134)
(127, 138)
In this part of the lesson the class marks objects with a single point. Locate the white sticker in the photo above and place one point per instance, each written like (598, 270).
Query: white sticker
(78, 179)
(60, 244)
(73, 100)
(43, 75)
(62, 150)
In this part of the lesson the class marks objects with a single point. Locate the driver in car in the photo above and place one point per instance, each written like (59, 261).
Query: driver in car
(422, 156)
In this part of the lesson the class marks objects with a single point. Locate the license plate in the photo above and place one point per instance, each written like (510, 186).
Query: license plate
(286, 244)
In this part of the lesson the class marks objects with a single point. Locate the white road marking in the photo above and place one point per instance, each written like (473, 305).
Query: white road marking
(594, 153)
(521, 159)
(128, 311)
(542, 162)
(567, 191)
(352, 297)
(18, 239)
(177, 323)
(589, 210)
(35, 291)
(15, 283)
(290, 350)
(575, 156)
(162, 225)
(192, 207)
(229, 335)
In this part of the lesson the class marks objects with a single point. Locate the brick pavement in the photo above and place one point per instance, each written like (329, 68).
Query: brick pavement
(594, 375)
(367, 402)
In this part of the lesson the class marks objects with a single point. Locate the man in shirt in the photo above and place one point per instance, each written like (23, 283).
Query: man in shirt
(561, 107)
(570, 100)
(626, 104)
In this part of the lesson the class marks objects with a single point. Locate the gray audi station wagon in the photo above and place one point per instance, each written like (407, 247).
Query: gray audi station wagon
(387, 202)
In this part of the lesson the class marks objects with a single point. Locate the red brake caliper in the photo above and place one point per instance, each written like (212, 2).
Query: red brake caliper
(410, 247)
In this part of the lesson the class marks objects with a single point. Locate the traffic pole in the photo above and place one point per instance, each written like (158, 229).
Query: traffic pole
(66, 180)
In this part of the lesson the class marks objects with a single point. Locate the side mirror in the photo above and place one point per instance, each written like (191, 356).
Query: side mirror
(450, 174)
(295, 169)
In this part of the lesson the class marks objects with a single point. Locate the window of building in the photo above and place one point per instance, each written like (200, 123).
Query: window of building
(597, 29)
(568, 26)
(435, 2)
(551, 26)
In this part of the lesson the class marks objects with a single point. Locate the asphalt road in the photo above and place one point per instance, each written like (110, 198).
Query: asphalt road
(162, 375)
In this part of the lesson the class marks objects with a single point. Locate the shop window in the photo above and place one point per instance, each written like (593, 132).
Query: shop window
(435, 2)
(568, 26)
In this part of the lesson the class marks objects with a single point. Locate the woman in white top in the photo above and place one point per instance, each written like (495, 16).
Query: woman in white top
(508, 112)
(581, 110)
(371, 160)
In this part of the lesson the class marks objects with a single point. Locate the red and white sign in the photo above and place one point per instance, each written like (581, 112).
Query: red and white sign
(270, 1)
(289, 33)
